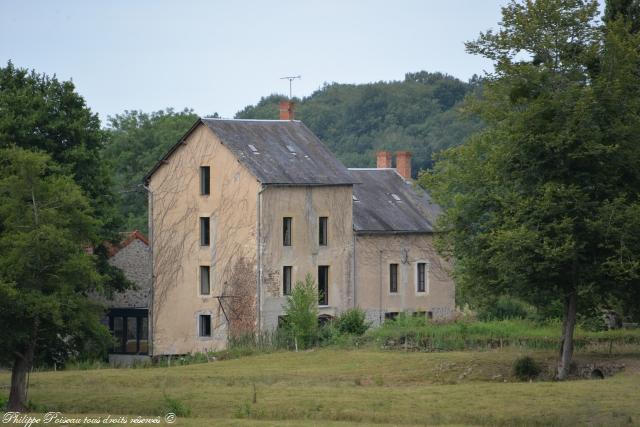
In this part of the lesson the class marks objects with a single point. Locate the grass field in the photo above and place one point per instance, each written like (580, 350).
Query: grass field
(348, 387)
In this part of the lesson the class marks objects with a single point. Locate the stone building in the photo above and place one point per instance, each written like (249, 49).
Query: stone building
(239, 210)
(127, 312)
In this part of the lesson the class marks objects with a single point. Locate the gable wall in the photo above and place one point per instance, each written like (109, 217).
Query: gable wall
(175, 208)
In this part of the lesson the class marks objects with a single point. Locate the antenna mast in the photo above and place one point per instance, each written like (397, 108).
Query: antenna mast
(291, 79)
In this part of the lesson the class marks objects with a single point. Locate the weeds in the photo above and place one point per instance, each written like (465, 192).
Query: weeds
(174, 406)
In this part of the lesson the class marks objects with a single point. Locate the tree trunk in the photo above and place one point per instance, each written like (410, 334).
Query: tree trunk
(568, 326)
(21, 367)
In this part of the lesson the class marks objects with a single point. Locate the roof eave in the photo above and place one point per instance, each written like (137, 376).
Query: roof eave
(392, 232)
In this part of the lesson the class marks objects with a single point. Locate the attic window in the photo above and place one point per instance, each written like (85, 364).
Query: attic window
(291, 148)
(253, 148)
(395, 197)
(355, 198)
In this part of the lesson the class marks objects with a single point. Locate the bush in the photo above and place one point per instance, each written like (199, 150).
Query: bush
(302, 312)
(352, 322)
(174, 406)
(506, 308)
(525, 368)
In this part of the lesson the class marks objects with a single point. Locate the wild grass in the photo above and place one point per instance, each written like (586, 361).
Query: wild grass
(414, 333)
(347, 387)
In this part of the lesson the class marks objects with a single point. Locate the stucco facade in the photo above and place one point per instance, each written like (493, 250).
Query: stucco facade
(176, 207)
(375, 253)
(261, 172)
(305, 205)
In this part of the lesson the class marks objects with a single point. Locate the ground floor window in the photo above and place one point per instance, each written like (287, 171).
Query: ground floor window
(130, 328)
(204, 325)
(390, 315)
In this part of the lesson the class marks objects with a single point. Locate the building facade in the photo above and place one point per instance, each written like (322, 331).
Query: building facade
(240, 210)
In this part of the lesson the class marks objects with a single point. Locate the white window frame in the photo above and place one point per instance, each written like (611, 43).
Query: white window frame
(427, 284)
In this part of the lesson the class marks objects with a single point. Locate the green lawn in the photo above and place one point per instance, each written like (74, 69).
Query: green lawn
(344, 387)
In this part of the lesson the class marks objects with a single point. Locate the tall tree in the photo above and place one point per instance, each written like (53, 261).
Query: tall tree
(136, 141)
(627, 10)
(419, 114)
(544, 203)
(38, 112)
(45, 273)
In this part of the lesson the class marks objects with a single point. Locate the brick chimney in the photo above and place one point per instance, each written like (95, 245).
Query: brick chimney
(286, 110)
(403, 164)
(383, 159)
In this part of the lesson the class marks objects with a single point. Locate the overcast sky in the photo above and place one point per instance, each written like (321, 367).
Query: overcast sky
(216, 56)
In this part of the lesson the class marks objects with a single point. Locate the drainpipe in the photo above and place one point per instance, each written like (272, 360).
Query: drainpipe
(153, 277)
(380, 280)
(355, 303)
(259, 276)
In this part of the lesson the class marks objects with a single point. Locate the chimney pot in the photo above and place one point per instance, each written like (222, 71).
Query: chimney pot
(403, 164)
(383, 159)
(286, 110)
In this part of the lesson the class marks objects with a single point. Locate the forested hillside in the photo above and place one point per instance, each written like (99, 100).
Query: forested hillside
(420, 114)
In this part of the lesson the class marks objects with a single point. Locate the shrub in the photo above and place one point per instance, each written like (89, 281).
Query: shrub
(328, 334)
(352, 321)
(525, 368)
(302, 312)
(174, 406)
(505, 308)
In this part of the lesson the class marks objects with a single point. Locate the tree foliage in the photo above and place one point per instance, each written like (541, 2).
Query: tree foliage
(45, 274)
(301, 312)
(41, 113)
(136, 141)
(419, 114)
(543, 204)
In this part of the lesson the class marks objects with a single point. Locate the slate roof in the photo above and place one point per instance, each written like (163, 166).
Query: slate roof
(276, 151)
(385, 203)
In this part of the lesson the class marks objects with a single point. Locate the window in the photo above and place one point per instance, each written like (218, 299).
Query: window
(391, 315)
(422, 267)
(130, 328)
(323, 231)
(286, 280)
(204, 231)
(131, 345)
(286, 231)
(323, 285)
(429, 314)
(205, 284)
(205, 325)
(118, 332)
(205, 180)
(393, 278)
(144, 336)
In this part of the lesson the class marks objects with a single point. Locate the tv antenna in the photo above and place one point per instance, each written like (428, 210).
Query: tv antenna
(291, 79)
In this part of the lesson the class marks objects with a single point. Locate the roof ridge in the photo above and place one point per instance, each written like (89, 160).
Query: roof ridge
(221, 119)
